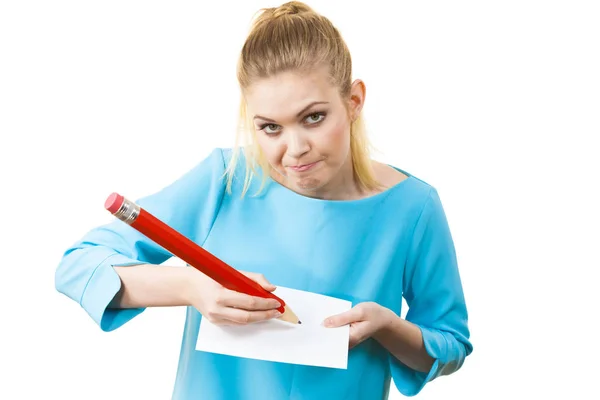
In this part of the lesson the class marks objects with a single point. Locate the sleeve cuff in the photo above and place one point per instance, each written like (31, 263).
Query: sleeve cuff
(102, 288)
(410, 382)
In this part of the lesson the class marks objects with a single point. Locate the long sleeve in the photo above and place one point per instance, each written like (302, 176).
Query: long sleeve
(189, 205)
(433, 292)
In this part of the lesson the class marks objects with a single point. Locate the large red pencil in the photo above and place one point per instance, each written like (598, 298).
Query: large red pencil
(188, 251)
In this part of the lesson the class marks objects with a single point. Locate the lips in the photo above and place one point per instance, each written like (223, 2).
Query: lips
(304, 167)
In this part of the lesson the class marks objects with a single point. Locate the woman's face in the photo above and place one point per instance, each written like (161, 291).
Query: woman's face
(302, 126)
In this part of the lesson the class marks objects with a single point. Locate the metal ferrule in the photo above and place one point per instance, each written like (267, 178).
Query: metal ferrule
(128, 212)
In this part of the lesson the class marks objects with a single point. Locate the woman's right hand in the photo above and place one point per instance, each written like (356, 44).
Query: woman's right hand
(223, 306)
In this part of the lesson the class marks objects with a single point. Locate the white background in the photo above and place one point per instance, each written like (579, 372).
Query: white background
(494, 103)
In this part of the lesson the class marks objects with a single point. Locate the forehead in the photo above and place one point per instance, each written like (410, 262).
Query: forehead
(286, 93)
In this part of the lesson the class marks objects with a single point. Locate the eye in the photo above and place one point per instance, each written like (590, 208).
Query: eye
(312, 119)
(315, 117)
(269, 129)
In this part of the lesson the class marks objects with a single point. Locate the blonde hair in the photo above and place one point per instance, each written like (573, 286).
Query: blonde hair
(293, 37)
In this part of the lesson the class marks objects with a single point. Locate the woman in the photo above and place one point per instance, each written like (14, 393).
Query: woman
(322, 217)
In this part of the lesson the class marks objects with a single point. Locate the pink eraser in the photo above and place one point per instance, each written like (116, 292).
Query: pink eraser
(113, 202)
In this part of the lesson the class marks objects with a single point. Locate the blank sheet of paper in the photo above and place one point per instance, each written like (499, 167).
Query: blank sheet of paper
(309, 343)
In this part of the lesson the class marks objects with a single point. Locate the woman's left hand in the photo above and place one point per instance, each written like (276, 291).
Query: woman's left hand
(365, 320)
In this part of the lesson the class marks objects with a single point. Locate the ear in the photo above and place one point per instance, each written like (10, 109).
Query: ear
(357, 98)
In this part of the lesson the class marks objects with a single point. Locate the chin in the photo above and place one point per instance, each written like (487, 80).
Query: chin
(310, 182)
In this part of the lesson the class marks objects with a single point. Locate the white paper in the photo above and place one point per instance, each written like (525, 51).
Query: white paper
(309, 343)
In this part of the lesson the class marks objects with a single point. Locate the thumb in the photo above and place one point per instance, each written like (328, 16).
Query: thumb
(261, 280)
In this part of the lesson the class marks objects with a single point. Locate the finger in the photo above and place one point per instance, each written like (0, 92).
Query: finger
(224, 322)
(243, 317)
(215, 316)
(345, 318)
(358, 333)
(231, 298)
(261, 280)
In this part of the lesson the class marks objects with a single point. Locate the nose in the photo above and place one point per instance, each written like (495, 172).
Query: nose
(297, 145)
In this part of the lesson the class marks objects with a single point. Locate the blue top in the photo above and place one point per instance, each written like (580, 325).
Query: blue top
(396, 243)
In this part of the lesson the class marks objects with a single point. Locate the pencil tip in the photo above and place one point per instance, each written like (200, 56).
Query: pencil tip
(299, 321)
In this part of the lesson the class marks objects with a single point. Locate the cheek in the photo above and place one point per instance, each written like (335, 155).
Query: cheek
(271, 148)
(338, 137)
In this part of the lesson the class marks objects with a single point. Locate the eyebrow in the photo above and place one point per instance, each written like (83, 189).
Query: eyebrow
(299, 113)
